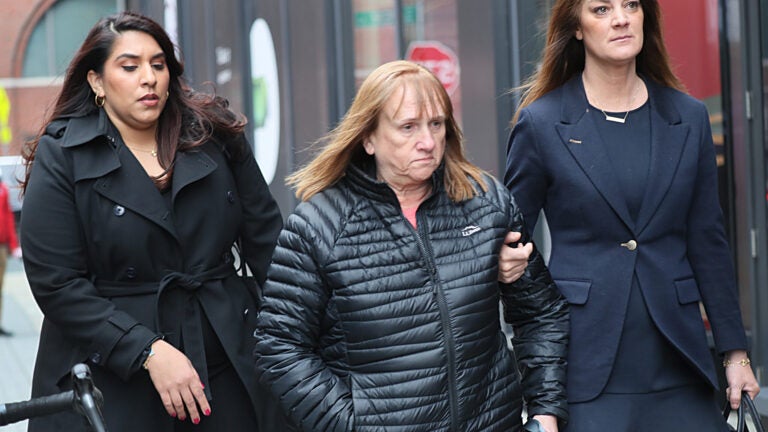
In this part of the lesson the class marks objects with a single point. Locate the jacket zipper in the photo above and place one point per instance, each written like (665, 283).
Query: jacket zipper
(426, 250)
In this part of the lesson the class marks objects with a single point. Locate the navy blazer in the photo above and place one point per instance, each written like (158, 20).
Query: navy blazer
(557, 161)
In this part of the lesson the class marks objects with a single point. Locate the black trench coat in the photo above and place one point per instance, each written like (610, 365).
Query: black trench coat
(100, 242)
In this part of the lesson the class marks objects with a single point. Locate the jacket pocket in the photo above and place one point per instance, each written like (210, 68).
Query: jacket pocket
(575, 291)
(687, 291)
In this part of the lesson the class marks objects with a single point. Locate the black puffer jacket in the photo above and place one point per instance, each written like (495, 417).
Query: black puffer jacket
(369, 324)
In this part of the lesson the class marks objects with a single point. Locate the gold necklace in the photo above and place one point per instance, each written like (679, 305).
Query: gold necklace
(152, 152)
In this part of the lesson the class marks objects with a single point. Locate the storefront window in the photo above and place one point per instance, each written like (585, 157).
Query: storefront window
(431, 36)
(697, 63)
(61, 30)
(764, 63)
(427, 29)
(375, 33)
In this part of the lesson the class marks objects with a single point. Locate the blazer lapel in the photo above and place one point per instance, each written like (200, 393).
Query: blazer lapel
(668, 136)
(579, 135)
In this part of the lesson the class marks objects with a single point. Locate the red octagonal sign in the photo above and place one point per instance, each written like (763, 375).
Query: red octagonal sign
(439, 59)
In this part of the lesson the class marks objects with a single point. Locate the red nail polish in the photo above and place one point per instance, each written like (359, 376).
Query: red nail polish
(173, 415)
(207, 412)
(202, 385)
(196, 421)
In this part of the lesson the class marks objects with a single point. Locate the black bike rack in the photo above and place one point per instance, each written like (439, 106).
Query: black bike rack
(85, 399)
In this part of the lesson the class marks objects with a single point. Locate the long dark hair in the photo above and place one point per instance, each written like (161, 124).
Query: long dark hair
(202, 115)
(564, 54)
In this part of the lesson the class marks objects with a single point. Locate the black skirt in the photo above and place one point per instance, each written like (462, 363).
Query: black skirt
(689, 408)
(652, 387)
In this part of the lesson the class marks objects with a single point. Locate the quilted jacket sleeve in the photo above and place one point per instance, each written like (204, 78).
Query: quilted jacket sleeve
(539, 316)
(289, 329)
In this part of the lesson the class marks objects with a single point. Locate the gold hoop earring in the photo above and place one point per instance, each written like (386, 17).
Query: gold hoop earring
(99, 100)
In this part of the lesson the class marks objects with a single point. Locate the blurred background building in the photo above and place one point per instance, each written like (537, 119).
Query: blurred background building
(292, 66)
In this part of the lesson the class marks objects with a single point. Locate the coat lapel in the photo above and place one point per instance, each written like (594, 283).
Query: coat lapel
(668, 136)
(116, 172)
(578, 134)
(119, 176)
(131, 188)
(190, 167)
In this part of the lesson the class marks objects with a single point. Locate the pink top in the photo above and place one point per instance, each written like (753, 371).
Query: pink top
(410, 214)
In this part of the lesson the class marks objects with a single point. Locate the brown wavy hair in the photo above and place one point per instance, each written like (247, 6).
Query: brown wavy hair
(563, 55)
(202, 115)
(345, 142)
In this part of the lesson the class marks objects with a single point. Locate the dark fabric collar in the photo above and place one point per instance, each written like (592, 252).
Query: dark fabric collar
(102, 159)
(81, 130)
(361, 177)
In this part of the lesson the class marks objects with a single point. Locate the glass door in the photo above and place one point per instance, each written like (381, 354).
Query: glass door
(759, 234)
(745, 66)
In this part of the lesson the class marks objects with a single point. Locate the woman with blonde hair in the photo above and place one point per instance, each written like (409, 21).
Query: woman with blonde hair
(381, 308)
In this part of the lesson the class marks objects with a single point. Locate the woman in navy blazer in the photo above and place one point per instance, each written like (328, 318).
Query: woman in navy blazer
(623, 165)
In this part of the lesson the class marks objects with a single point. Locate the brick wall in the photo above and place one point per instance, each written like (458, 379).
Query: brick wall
(29, 99)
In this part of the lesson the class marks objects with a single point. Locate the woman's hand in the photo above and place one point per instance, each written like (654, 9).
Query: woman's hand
(513, 260)
(740, 377)
(548, 422)
(177, 382)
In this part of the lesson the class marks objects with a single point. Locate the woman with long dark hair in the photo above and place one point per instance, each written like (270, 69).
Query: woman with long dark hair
(136, 190)
(622, 163)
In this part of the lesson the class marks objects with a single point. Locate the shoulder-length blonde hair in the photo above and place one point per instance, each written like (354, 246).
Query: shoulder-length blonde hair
(563, 55)
(345, 142)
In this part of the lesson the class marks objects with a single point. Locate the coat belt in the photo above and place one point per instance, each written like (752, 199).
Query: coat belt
(177, 309)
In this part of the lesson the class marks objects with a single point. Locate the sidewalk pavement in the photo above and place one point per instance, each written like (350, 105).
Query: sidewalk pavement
(23, 318)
